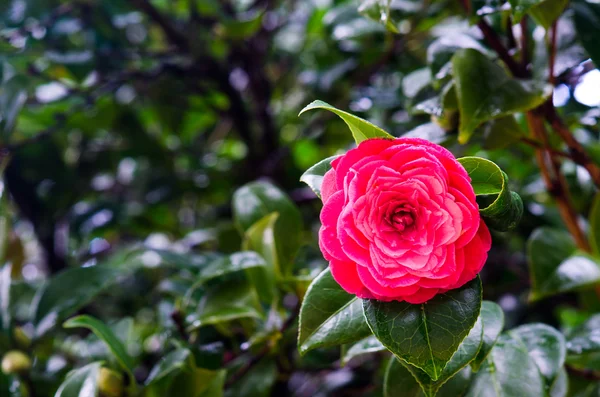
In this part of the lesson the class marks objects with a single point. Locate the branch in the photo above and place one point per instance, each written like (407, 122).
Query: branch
(555, 181)
(524, 46)
(494, 41)
(552, 53)
(173, 35)
(576, 150)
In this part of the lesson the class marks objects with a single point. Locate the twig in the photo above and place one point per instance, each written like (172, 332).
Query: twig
(524, 47)
(552, 53)
(494, 41)
(172, 34)
(554, 180)
(179, 321)
(512, 42)
(576, 150)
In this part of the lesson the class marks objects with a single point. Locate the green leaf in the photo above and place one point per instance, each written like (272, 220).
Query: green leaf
(440, 52)
(5, 283)
(366, 346)
(508, 371)
(105, 334)
(415, 82)
(426, 335)
(595, 225)
(501, 133)
(67, 292)
(486, 92)
(554, 265)
(492, 317)
(544, 12)
(81, 382)
(227, 302)
(583, 344)
(254, 201)
(179, 376)
(261, 238)
(361, 129)
(242, 29)
(587, 25)
(466, 352)
(560, 387)
(546, 346)
(329, 316)
(398, 381)
(313, 176)
(168, 365)
(487, 179)
(388, 13)
(219, 267)
(258, 382)
(13, 95)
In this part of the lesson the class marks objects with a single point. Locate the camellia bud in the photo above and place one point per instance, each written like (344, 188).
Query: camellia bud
(110, 383)
(15, 362)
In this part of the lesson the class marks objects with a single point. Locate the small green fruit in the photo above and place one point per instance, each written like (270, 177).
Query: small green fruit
(110, 383)
(15, 362)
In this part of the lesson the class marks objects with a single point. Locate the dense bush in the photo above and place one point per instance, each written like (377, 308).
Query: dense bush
(160, 195)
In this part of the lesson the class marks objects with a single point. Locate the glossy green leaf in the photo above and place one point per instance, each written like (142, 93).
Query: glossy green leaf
(508, 371)
(170, 364)
(219, 267)
(547, 12)
(254, 201)
(583, 344)
(329, 316)
(440, 52)
(104, 333)
(560, 387)
(501, 133)
(178, 375)
(487, 179)
(426, 335)
(313, 176)
(226, 302)
(242, 29)
(68, 291)
(587, 25)
(398, 381)
(486, 92)
(466, 352)
(546, 346)
(5, 283)
(81, 382)
(388, 13)
(555, 266)
(261, 238)
(544, 12)
(361, 129)
(13, 95)
(198, 382)
(492, 317)
(595, 225)
(366, 346)
(258, 382)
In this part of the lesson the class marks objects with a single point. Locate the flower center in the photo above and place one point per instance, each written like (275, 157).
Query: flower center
(402, 219)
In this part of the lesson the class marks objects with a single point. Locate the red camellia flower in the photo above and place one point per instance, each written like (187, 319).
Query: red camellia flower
(400, 221)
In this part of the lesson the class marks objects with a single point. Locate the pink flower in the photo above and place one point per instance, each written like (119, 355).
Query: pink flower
(400, 221)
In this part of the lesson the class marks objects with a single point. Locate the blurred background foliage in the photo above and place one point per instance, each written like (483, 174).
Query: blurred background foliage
(126, 127)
